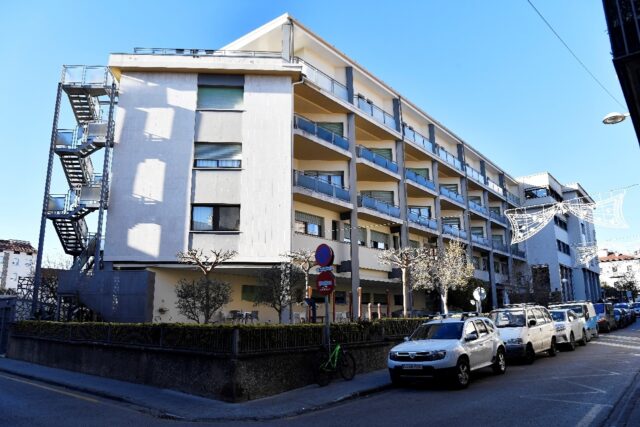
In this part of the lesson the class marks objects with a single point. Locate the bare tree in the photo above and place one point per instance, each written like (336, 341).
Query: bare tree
(280, 286)
(627, 283)
(199, 299)
(444, 269)
(57, 261)
(407, 260)
(304, 260)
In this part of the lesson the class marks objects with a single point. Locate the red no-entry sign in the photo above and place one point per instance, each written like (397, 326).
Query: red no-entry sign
(325, 283)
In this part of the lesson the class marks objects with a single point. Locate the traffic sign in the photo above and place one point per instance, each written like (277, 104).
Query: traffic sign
(479, 294)
(325, 283)
(328, 268)
(324, 255)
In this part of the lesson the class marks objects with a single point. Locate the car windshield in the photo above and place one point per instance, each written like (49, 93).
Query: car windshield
(508, 318)
(599, 308)
(577, 309)
(438, 331)
(559, 316)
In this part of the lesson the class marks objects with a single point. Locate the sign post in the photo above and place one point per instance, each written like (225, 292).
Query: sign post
(325, 283)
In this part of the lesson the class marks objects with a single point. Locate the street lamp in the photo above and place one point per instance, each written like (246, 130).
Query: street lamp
(565, 291)
(614, 118)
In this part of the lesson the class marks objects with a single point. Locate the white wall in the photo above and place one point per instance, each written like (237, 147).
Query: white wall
(13, 266)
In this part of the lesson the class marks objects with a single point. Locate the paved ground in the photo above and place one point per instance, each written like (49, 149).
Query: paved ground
(595, 385)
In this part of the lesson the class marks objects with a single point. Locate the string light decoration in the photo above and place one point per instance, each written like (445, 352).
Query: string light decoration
(585, 252)
(525, 224)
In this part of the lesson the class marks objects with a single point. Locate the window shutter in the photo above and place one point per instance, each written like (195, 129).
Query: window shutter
(423, 172)
(218, 151)
(308, 218)
(383, 196)
(337, 128)
(384, 152)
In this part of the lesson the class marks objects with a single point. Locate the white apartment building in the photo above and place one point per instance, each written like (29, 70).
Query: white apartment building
(617, 266)
(17, 259)
(575, 281)
(276, 142)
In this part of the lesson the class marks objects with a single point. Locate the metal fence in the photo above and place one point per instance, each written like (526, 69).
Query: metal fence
(7, 313)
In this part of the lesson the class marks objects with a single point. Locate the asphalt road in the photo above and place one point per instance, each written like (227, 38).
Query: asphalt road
(579, 388)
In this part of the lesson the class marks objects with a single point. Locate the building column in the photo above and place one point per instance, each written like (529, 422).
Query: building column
(437, 214)
(465, 193)
(353, 218)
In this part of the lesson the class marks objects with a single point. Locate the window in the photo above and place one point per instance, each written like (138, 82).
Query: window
(563, 247)
(582, 228)
(540, 192)
(397, 300)
(560, 223)
(380, 299)
(333, 178)
(215, 218)
(629, 268)
(335, 228)
(217, 155)
(485, 264)
(476, 262)
(424, 211)
(15, 261)
(450, 187)
(477, 231)
(379, 240)
(482, 328)
(366, 298)
(423, 172)
(614, 269)
(387, 153)
(469, 328)
(309, 224)
(496, 267)
(220, 98)
(497, 238)
(452, 221)
(336, 127)
(340, 297)
(250, 292)
(362, 235)
(490, 325)
(383, 196)
(496, 210)
(414, 244)
(476, 199)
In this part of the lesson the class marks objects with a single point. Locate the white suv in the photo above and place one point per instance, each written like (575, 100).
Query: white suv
(452, 346)
(526, 330)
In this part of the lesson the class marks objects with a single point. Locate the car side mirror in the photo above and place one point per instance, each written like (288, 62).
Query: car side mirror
(533, 322)
(471, 337)
(406, 338)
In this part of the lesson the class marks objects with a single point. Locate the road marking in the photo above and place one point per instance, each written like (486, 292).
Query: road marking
(590, 416)
(563, 401)
(66, 393)
(612, 344)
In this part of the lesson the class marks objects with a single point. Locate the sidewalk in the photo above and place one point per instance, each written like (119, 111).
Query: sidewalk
(178, 405)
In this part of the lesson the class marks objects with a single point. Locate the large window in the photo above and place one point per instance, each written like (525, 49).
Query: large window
(477, 231)
(540, 192)
(362, 235)
(476, 199)
(451, 187)
(215, 218)
(423, 172)
(560, 222)
(387, 153)
(379, 240)
(220, 98)
(217, 155)
(309, 224)
(563, 247)
(452, 221)
(424, 211)
(383, 196)
(335, 127)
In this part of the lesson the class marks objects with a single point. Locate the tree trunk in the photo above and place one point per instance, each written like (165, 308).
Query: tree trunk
(443, 301)
(405, 293)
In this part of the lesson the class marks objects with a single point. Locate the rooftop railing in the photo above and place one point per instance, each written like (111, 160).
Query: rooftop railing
(321, 186)
(449, 158)
(311, 127)
(419, 179)
(323, 80)
(422, 220)
(513, 199)
(376, 112)
(365, 153)
(204, 52)
(419, 139)
(378, 205)
(481, 240)
(86, 76)
(474, 174)
(495, 187)
(451, 194)
(454, 231)
(477, 207)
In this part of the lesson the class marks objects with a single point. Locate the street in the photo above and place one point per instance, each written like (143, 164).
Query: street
(579, 388)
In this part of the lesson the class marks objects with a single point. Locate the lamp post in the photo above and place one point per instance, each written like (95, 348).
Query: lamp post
(564, 288)
(614, 118)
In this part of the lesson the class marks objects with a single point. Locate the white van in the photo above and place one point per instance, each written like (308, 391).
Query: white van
(526, 329)
(587, 313)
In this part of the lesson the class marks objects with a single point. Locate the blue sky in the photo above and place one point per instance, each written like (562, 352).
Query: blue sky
(489, 70)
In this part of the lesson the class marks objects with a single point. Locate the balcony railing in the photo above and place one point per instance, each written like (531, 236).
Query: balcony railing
(311, 127)
(481, 240)
(86, 75)
(73, 138)
(498, 217)
(516, 251)
(324, 81)
(474, 174)
(204, 52)
(419, 139)
(499, 246)
(478, 208)
(422, 220)
(379, 160)
(454, 231)
(419, 179)
(495, 187)
(378, 205)
(513, 199)
(449, 158)
(316, 184)
(376, 112)
(451, 194)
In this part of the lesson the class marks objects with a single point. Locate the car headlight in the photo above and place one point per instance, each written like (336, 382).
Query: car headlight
(560, 328)
(515, 341)
(393, 355)
(438, 355)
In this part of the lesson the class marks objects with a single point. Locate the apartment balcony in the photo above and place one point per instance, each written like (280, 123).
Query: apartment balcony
(513, 199)
(378, 211)
(481, 274)
(475, 175)
(518, 253)
(422, 223)
(452, 196)
(418, 140)
(376, 113)
(499, 218)
(374, 167)
(326, 84)
(494, 187)
(450, 230)
(500, 247)
(313, 142)
(313, 190)
(419, 184)
(450, 160)
(478, 208)
(480, 240)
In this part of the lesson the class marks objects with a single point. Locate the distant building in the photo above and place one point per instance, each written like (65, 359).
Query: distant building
(554, 245)
(615, 266)
(17, 259)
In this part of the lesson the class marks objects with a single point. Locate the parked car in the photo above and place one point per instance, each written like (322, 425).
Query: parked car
(627, 307)
(621, 320)
(636, 308)
(569, 328)
(627, 316)
(587, 314)
(526, 330)
(606, 320)
(452, 347)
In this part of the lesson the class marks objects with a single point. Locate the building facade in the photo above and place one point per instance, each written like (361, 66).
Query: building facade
(617, 267)
(575, 281)
(17, 259)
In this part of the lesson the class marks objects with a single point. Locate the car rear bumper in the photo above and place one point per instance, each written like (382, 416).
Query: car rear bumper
(516, 350)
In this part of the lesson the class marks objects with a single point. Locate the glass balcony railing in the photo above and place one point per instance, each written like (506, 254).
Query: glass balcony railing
(516, 251)
(474, 174)
(321, 186)
(421, 140)
(449, 158)
(477, 207)
(481, 240)
(513, 199)
(419, 179)
(323, 80)
(86, 75)
(451, 194)
(205, 52)
(454, 231)
(499, 246)
(378, 205)
(376, 112)
(311, 127)
(96, 132)
(422, 220)
(365, 153)
(498, 217)
(495, 187)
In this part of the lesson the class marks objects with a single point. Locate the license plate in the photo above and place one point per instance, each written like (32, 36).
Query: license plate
(412, 366)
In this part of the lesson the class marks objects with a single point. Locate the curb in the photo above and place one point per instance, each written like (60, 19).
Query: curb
(619, 416)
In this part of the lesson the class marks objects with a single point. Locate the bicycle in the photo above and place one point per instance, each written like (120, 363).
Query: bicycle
(337, 361)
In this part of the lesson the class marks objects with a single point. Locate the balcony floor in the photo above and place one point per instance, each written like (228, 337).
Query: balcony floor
(369, 171)
(305, 195)
(310, 147)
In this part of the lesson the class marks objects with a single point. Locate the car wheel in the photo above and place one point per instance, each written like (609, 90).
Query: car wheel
(571, 345)
(529, 355)
(553, 350)
(500, 365)
(584, 339)
(462, 374)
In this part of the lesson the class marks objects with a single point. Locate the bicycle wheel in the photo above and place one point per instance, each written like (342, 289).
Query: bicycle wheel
(322, 372)
(347, 366)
